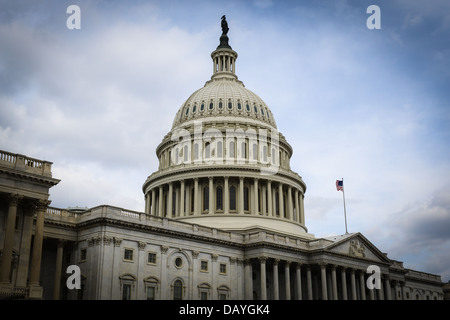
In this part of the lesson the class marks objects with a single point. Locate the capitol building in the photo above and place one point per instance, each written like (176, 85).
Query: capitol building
(224, 219)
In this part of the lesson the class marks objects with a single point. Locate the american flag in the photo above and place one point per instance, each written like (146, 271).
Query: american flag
(340, 185)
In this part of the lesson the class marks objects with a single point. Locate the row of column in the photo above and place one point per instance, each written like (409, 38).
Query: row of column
(328, 289)
(271, 201)
(39, 207)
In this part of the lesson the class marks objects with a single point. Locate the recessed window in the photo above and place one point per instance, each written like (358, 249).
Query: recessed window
(230, 105)
(194, 108)
(204, 265)
(202, 107)
(128, 255)
(178, 262)
(262, 111)
(187, 110)
(223, 268)
(211, 105)
(255, 108)
(239, 106)
(151, 258)
(247, 107)
(220, 105)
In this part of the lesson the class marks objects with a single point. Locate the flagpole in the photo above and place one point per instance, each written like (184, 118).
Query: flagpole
(345, 212)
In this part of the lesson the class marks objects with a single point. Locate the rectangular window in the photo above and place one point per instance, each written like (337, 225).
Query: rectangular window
(126, 291)
(204, 265)
(204, 295)
(151, 258)
(150, 293)
(223, 268)
(222, 296)
(128, 255)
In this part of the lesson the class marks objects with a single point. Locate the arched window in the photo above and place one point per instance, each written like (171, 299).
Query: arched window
(178, 290)
(244, 150)
(230, 105)
(219, 198)
(233, 198)
(211, 105)
(255, 151)
(206, 198)
(185, 153)
(195, 151)
(231, 150)
(207, 150)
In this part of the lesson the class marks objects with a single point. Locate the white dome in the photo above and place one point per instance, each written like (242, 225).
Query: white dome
(224, 97)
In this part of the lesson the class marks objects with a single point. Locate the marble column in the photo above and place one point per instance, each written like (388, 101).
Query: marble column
(387, 285)
(297, 208)
(226, 199)
(323, 280)
(298, 274)
(287, 280)
(58, 269)
(290, 209)
(276, 292)
(255, 197)
(248, 281)
(334, 282)
(269, 199)
(160, 202)
(153, 212)
(344, 283)
(353, 283)
(36, 255)
(262, 261)
(309, 282)
(196, 197)
(241, 195)
(8, 242)
(212, 203)
(182, 200)
(170, 201)
(280, 200)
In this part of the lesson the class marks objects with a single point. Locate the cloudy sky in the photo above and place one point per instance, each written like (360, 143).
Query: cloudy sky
(371, 106)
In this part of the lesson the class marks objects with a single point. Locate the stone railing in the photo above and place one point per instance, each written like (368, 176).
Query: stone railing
(23, 163)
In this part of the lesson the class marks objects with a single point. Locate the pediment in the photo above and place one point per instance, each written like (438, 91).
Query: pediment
(357, 246)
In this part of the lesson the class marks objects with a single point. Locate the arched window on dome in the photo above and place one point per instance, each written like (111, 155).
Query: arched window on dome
(202, 106)
(255, 151)
(220, 105)
(230, 105)
(195, 151)
(265, 154)
(187, 111)
(194, 108)
(239, 106)
(211, 106)
(219, 198)
(232, 198)
(244, 150)
(247, 106)
(231, 151)
(207, 150)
